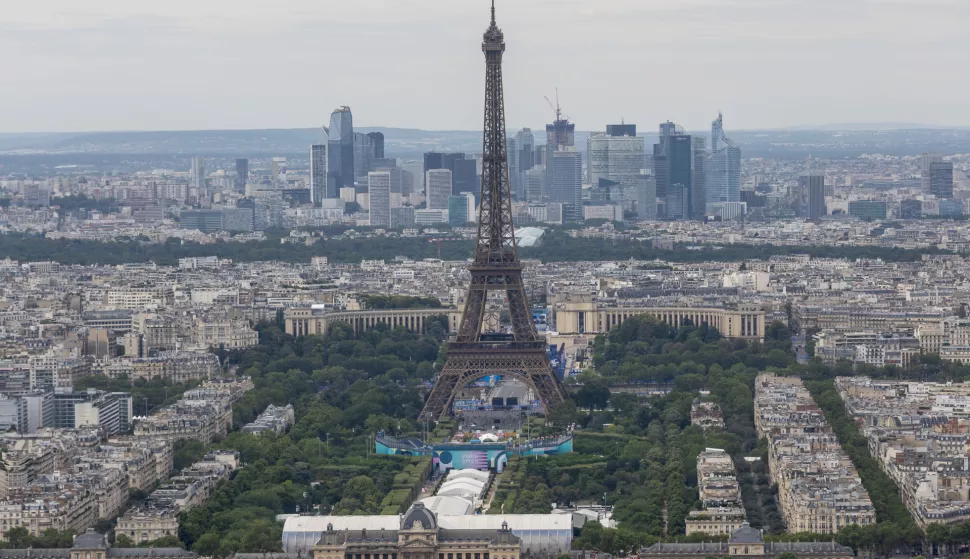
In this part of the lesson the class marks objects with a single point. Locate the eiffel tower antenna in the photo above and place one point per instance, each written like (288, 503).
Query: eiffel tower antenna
(475, 353)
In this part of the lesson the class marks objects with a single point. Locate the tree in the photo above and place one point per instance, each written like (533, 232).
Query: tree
(787, 555)
(164, 541)
(562, 414)
(207, 545)
(122, 540)
(939, 536)
(137, 495)
(594, 394)
(18, 537)
(187, 452)
(53, 539)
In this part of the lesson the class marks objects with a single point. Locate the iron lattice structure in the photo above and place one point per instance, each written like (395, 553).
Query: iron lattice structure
(476, 354)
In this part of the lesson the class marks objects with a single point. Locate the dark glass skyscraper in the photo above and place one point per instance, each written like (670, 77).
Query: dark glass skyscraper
(698, 187)
(910, 209)
(566, 186)
(340, 148)
(363, 151)
(660, 173)
(619, 130)
(464, 171)
(661, 168)
(242, 174)
(376, 145)
(811, 200)
(941, 179)
(680, 164)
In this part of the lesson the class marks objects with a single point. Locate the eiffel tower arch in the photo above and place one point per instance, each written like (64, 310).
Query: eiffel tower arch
(476, 353)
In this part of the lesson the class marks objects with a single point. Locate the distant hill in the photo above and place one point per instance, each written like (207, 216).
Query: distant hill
(846, 140)
(874, 127)
(227, 142)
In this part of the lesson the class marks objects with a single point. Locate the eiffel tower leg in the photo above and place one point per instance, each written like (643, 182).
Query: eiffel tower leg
(540, 374)
(474, 313)
(445, 388)
(519, 313)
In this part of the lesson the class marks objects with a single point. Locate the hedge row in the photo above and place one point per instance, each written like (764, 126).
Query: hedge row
(509, 482)
(407, 485)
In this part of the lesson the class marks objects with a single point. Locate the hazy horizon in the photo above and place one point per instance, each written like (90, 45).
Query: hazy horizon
(648, 129)
(111, 65)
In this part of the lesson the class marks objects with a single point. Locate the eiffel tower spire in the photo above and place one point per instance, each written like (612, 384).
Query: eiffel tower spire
(476, 351)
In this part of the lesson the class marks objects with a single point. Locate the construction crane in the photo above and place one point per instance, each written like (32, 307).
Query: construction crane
(556, 108)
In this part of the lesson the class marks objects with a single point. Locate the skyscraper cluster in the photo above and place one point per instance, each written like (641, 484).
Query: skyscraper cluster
(691, 181)
(351, 166)
(680, 179)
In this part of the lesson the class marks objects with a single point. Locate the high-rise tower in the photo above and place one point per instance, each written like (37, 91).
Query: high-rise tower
(318, 174)
(811, 202)
(197, 178)
(484, 349)
(723, 167)
(242, 174)
(340, 151)
(941, 179)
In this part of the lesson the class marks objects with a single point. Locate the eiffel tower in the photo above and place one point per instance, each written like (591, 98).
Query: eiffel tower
(475, 353)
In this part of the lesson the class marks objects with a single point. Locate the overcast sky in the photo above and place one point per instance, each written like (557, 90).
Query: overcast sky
(72, 65)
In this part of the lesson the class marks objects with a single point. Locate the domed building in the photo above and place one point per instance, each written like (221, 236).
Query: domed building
(417, 536)
(430, 529)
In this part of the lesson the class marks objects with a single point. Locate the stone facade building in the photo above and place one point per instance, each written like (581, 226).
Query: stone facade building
(746, 542)
(418, 537)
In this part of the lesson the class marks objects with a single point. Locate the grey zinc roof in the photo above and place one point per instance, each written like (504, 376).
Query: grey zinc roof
(747, 534)
(478, 535)
(35, 553)
(91, 540)
(143, 552)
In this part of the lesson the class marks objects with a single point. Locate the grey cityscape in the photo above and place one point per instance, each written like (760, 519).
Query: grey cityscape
(368, 318)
